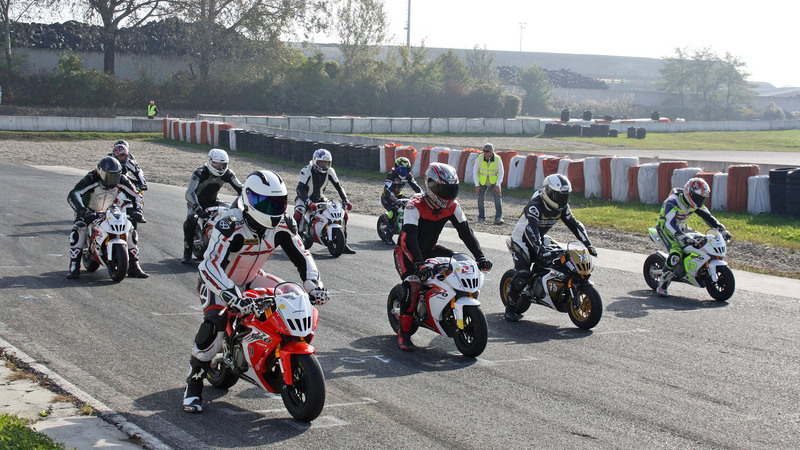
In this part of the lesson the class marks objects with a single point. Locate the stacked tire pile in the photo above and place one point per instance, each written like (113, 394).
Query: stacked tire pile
(784, 191)
(565, 129)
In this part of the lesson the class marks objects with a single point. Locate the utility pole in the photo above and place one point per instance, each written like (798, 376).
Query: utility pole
(522, 26)
(408, 28)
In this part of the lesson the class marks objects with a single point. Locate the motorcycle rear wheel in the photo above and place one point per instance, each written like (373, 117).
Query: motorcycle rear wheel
(471, 341)
(505, 287)
(591, 308)
(221, 376)
(652, 269)
(383, 223)
(336, 244)
(89, 263)
(118, 266)
(305, 398)
(393, 309)
(723, 289)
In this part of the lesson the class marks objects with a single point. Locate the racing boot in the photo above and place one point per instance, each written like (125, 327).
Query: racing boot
(74, 267)
(511, 313)
(347, 248)
(187, 254)
(404, 333)
(193, 394)
(663, 284)
(389, 231)
(133, 267)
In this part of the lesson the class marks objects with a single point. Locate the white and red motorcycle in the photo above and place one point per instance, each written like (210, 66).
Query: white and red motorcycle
(702, 266)
(271, 349)
(202, 232)
(448, 303)
(108, 243)
(325, 225)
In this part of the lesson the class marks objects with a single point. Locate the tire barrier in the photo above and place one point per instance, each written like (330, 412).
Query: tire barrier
(592, 177)
(455, 159)
(793, 193)
(575, 175)
(665, 169)
(563, 165)
(681, 176)
(515, 172)
(709, 178)
(464, 166)
(633, 183)
(505, 157)
(224, 138)
(648, 183)
(388, 153)
(424, 159)
(529, 175)
(758, 194)
(605, 177)
(641, 133)
(737, 185)
(777, 189)
(620, 174)
(470, 163)
(444, 157)
(719, 192)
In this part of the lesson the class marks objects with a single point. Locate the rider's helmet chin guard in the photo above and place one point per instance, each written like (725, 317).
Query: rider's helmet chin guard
(264, 198)
(695, 192)
(109, 170)
(556, 190)
(322, 160)
(441, 184)
(402, 166)
(217, 162)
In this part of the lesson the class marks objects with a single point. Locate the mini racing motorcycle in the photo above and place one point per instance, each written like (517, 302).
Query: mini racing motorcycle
(562, 284)
(448, 303)
(271, 349)
(326, 227)
(108, 243)
(703, 266)
(202, 231)
(383, 220)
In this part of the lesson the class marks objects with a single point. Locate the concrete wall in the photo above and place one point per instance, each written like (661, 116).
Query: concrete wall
(53, 123)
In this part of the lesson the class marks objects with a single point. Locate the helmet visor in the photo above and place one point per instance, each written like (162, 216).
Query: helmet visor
(323, 164)
(402, 171)
(221, 166)
(443, 191)
(560, 198)
(269, 205)
(111, 178)
(697, 199)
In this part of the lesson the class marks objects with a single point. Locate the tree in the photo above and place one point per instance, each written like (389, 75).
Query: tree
(220, 22)
(361, 26)
(20, 9)
(481, 67)
(537, 88)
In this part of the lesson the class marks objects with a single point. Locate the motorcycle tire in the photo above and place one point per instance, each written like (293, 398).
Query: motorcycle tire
(653, 266)
(393, 310)
(305, 398)
(590, 310)
(505, 287)
(221, 376)
(336, 244)
(383, 223)
(723, 289)
(471, 341)
(89, 263)
(118, 266)
(308, 241)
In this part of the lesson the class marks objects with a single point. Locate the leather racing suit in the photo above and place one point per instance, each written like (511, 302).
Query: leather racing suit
(393, 190)
(201, 194)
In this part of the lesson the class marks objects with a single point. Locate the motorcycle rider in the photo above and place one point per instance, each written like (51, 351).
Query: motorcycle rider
(530, 242)
(131, 170)
(202, 192)
(672, 227)
(396, 179)
(314, 179)
(423, 220)
(240, 244)
(95, 192)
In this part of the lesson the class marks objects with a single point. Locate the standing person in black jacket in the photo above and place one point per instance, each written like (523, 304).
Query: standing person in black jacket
(202, 193)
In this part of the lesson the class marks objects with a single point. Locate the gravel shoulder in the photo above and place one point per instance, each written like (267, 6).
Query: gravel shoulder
(173, 165)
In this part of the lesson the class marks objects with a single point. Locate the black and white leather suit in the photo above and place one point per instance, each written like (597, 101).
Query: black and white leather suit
(201, 194)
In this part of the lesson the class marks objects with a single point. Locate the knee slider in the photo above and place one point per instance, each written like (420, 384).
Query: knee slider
(205, 335)
(520, 280)
(673, 259)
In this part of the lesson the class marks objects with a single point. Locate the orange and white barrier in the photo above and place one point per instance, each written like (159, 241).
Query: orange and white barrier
(719, 192)
(648, 183)
(737, 185)
(516, 170)
(620, 172)
(591, 173)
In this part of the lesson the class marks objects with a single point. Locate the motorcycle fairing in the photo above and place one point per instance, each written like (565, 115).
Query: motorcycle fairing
(285, 355)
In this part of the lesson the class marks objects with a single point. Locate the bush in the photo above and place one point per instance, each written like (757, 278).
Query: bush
(15, 433)
(511, 106)
(774, 112)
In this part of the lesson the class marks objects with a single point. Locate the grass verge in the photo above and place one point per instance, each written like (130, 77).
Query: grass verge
(16, 433)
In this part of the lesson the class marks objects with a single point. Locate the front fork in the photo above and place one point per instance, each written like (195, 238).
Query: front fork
(284, 355)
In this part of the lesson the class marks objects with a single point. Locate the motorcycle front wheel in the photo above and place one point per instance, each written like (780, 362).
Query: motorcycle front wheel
(471, 341)
(393, 309)
(305, 398)
(725, 285)
(589, 310)
(653, 267)
(89, 263)
(336, 244)
(118, 266)
(383, 223)
(221, 376)
(505, 287)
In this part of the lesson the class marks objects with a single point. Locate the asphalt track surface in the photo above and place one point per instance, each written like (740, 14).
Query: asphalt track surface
(680, 372)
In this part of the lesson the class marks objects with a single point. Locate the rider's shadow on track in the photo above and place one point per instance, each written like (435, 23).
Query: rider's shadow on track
(55, 227)
(319, 251)
(379, 357)
(531, 331)
(640, 302)
(256, 429)
(168, 265)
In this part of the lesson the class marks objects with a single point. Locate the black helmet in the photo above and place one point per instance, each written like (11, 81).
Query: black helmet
(109, 170)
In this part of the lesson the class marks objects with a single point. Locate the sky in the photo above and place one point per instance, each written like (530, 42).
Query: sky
(765, 35)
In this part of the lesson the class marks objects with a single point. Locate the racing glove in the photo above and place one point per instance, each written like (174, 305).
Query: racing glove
(348, 205)
(484, 264)
(423, 272)
(591, 249)
(688, 240)
(137, 216)
(725, 233)
(312, 206)
(316, 292)
(88, 215)
(201, 212)
(239, 305)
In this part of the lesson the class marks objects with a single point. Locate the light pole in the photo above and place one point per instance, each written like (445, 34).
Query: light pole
(408, 28)
(522, 26)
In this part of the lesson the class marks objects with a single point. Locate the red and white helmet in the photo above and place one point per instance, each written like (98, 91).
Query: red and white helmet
(695, 192)
(441, 184)
(121, 151)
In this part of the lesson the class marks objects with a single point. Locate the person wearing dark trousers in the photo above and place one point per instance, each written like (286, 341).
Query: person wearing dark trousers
(488, 175)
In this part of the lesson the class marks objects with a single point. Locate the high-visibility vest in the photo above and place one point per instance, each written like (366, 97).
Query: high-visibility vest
(488, 168)
(151, 110)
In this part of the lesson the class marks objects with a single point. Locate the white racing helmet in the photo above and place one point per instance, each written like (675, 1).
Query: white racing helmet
(264, 196)
(555, 191)
(322, 160)
(217, 161)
